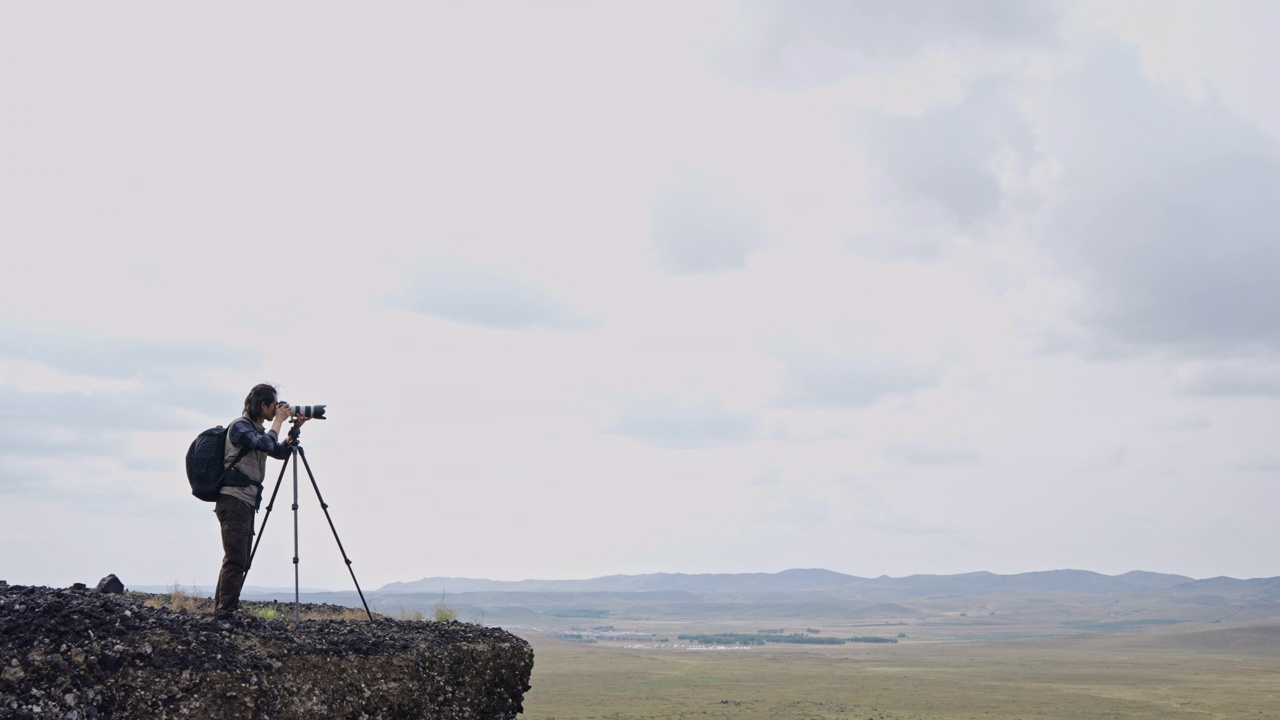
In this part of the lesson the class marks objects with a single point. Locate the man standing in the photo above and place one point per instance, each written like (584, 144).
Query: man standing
(248, 439)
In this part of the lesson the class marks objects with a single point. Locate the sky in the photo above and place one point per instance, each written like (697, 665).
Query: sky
(900, 288)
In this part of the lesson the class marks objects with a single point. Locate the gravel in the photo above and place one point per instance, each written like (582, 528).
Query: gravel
(75, 655)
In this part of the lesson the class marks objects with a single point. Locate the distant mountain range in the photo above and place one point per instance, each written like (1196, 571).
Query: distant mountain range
(799, 580)
(1025, 604)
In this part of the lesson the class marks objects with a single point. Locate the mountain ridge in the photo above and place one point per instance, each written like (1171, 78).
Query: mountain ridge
(804, 579)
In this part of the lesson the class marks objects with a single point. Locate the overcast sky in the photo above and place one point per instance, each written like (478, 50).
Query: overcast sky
(627, 287)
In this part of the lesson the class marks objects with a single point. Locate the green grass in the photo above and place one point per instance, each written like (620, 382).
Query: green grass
(268, 612)
(444, 613)
(1090, 677)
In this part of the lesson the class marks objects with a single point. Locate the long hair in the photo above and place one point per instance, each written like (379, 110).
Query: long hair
(261, 393)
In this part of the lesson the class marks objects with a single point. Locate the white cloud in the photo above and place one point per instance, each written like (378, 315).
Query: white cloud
(1004, 169)
(1159, 206)
(874, 508)
(1242, 378)
(704, 232)
(668, 424)
(1165, 210)
(114, 357)
(799, 510)
(1104, 459)
(767, 478)
(82, 399)
(804, 42)
(824, 380)
(489, 299)
(1265, 463)
(945, 172)
(933, 455)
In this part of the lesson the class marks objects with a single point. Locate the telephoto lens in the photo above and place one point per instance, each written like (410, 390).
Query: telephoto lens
(315, 412)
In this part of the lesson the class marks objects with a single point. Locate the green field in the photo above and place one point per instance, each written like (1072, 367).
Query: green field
(1054, 645)
(1194, 670)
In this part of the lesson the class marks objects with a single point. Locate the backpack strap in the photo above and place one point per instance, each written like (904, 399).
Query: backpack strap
(243, 451)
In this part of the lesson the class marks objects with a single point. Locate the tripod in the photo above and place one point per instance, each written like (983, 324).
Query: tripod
(296, 452)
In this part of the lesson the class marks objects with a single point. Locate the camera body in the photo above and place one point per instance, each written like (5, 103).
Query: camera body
(314, 412)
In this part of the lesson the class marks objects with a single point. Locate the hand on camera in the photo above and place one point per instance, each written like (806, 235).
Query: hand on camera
(282, 412)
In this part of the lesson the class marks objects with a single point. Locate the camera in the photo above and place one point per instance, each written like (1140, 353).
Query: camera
(315, 412)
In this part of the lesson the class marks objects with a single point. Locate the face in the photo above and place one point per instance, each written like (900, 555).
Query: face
(269, 409)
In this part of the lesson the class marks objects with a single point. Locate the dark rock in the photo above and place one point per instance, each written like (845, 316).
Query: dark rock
(99, 655)
(110, 584)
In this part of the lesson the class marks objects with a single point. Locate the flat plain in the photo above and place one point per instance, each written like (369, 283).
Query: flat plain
(1055, 644)
(1192, 670)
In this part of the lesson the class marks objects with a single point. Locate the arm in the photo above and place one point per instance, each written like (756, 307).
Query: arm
(282, 449)
(245, 434)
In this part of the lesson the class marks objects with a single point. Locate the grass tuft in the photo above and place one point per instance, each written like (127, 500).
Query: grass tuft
(444, 613)
(179, 599)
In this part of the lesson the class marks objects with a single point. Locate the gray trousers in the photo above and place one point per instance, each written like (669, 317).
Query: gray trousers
(236, 519)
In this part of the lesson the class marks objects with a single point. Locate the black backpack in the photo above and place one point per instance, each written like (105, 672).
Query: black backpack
(206, 463)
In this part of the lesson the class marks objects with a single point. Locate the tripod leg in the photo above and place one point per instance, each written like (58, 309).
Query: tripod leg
(297, 606)
(325, 507)
(267, 516)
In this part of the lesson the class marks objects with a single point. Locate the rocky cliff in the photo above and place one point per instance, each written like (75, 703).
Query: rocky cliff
(76, 655)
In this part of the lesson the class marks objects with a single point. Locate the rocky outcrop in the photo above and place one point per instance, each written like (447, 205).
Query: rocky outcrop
(78, 655)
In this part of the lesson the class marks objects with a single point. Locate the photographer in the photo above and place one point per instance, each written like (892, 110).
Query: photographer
(242, 488)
